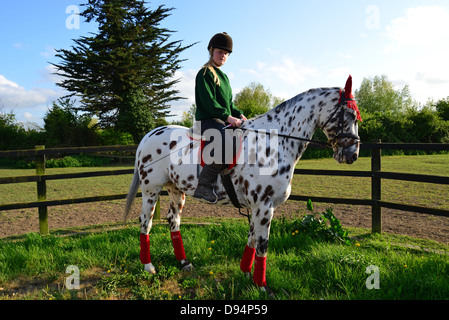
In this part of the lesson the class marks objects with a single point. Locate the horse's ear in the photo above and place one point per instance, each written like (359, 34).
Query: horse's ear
(348, 87)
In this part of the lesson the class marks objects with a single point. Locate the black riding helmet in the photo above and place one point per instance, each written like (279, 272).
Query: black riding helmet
(221, 41)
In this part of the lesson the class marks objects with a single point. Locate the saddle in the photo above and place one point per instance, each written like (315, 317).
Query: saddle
(197, 137)
(225, 173)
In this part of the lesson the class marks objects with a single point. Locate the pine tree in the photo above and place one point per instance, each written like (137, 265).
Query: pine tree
(130, 59)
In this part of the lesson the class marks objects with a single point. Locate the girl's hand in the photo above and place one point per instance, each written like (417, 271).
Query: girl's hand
(243, 117)
(234, 122)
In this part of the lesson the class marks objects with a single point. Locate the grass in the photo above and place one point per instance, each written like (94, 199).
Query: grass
(298, 266)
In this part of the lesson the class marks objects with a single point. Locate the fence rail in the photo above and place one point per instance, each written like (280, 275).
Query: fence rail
(375, 174)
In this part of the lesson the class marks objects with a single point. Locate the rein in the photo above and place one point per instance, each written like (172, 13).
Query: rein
(331, 143)
(322, 143)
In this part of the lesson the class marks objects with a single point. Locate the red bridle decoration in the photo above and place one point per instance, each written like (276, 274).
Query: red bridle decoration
(349, 98)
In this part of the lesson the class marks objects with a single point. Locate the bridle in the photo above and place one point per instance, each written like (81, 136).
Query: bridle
(335, 141)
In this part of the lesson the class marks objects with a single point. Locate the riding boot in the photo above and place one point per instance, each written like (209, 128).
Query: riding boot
(205, 188)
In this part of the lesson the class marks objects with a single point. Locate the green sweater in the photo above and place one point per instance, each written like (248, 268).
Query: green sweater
(213, 101)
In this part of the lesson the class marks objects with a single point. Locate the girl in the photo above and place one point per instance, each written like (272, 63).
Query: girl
(215, 110)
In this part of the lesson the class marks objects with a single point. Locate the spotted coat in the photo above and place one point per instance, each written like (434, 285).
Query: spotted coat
(167, 157)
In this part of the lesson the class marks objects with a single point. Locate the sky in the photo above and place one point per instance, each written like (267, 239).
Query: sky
(288, 46)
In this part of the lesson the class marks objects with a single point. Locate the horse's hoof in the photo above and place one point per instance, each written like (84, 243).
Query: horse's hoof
(186, 266)
(268, 291)
(150, 268)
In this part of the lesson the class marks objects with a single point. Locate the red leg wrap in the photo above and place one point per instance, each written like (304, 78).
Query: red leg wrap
(247, 259)
(145, 256)
(259, 271)
(178, 246)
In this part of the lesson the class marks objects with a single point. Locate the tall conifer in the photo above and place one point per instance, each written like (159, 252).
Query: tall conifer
(123, 74)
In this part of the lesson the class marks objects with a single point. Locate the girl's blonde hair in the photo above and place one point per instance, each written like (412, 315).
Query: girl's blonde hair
(209, 65)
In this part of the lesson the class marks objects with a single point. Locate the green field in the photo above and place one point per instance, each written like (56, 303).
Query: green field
(299, 266)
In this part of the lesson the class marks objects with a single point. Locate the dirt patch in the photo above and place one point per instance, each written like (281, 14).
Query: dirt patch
(18, 222)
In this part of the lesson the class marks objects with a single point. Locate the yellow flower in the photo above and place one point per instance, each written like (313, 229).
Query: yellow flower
(357, 244)
(293, 233)
(213, 241)
(210, 248)
(296, 231)
(211, 272)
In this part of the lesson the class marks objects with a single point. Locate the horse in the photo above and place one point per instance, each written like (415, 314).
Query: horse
(272, 145)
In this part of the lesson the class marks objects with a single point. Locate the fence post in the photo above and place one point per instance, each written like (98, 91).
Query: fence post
(41, 191)
(376, 190)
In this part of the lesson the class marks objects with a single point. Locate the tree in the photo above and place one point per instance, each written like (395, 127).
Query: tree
(14, 135)
(378, 95)
(130, 59)
(64, 127)
(188, 117)
(254, 100)
(442, 108)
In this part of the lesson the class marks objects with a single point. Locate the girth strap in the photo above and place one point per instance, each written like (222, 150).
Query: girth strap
(229, 187)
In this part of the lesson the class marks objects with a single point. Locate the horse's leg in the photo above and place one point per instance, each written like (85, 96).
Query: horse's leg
(177, 200)
(248, 255)
(149, 200)
(262, 222)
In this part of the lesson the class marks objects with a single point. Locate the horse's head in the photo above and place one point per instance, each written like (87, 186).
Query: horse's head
(339, 123)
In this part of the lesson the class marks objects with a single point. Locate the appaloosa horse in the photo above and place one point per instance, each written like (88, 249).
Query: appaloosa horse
(272, 145)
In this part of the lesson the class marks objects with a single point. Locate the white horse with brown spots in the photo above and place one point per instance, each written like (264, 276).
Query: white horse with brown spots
(272, 145)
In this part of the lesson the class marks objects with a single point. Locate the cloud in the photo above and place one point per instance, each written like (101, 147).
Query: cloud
(48, 74)
(421, 26)
(14, 96)
(418, 46)
(286, 71)
(49, 52)
(338, 73)
(186, 88)
(291, 71)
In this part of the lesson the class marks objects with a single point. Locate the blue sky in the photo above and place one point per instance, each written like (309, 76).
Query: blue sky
(289, 46)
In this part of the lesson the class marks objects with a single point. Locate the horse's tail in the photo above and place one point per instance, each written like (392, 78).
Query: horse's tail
(132, 193)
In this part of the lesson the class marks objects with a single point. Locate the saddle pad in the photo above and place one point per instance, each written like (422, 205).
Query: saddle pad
(196, 137)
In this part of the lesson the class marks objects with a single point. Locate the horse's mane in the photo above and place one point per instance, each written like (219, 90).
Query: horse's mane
(300, 97)
(287, 103)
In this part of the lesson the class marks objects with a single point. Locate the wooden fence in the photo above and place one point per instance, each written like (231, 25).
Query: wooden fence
(376, 175)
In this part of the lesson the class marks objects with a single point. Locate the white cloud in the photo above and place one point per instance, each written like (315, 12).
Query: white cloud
(290, 71)
(186, 87)
(345, 56)
(421, 26)
(418, 46)
(338, 73)
(27, 116)
(283, 74)
(14, 96)
(49, 52)
(48, 74)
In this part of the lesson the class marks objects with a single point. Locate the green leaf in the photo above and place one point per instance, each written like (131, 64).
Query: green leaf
(310, 205)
